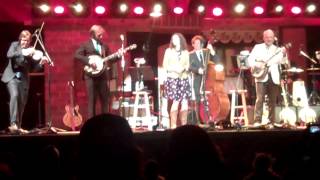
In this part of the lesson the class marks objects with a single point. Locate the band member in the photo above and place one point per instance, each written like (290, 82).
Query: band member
(177, 87)
(198, 61)
(264, 60)
(97, 84)
(16, 77)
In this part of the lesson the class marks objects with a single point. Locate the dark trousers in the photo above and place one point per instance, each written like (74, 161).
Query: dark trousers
(18, 90)
(272, 91)
(97, 88)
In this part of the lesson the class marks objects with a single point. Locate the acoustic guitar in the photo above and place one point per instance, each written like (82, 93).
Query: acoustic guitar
(72, 118)
(100, 62)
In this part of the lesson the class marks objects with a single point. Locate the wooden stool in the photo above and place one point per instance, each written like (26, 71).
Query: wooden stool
(243, 107)
(141, 101)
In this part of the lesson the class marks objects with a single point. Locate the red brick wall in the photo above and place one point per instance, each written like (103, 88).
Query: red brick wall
(63, 36)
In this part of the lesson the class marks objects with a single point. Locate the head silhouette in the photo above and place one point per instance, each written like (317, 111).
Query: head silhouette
(107, 149)
(192, 154)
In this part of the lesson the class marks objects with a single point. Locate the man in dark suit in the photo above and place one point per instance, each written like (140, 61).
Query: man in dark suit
(15, 75)
(199, 58)
(96, 84)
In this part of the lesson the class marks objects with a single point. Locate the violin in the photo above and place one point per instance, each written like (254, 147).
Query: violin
(36, 55)
(72, 118)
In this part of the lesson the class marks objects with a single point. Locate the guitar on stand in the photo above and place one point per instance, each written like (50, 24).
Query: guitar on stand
(72, 118)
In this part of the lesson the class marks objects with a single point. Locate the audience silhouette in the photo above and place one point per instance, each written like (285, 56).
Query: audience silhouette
(108, 149)
(193, 155)
(262, 168)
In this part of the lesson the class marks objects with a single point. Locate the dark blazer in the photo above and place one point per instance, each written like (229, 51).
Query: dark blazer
(195, 64)
(18, 64)
(87, 49)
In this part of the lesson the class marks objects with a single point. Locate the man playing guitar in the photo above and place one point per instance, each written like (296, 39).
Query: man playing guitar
(265, 59)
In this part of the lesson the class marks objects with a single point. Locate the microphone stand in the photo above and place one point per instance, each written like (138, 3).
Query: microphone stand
(49, 120)
(123, 63)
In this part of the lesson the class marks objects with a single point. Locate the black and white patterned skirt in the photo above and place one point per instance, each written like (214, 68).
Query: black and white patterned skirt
(177, 89)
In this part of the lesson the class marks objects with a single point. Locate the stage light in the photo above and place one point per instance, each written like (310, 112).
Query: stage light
(296, 10)
(311, 8)
(239, 8)
(278, 8)
(45, 8)
(100, 10)
(201, 9)
(59, 9)
(178, 10)
(217, 11)
(78, 8)
(157, 11)
(138, 10)
(258, 10)
(157, 8)
(123, 7)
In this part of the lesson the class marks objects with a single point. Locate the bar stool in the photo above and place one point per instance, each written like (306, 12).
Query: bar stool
(141, 101)
(244, 114)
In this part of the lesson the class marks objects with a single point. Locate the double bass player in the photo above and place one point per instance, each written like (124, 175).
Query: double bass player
(199, 58)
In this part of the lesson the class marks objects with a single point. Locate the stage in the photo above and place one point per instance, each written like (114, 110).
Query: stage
(238, 147)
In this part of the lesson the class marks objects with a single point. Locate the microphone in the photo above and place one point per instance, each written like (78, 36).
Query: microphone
(305, 55)
(122, 37)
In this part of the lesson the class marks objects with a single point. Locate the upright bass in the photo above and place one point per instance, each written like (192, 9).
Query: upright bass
(216, 104)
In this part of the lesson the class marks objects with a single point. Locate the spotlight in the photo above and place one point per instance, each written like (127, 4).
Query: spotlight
(201, 9)
(45, 8)
(178, 10)
(311, 8)
(278, 8)
(100, 10)
(123, 7)
(59, 9)
(157, 8)
(239, 8)
(78, 8)
(258, 10)
(217, 11)
(138, 10)
(296, 10)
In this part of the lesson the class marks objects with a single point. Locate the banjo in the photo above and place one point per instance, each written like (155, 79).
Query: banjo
(287, 115)
(261, 71)
(100, 62)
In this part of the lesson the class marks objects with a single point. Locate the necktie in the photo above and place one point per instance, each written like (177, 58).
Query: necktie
(201, 56)
(98, 47)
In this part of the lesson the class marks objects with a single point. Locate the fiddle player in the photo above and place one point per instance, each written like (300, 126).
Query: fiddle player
(16, 77)
(199, 57)
(266, 58)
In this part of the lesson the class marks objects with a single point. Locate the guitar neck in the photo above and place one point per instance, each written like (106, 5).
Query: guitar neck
(110, 57)
(71, 85)
(284, 95)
